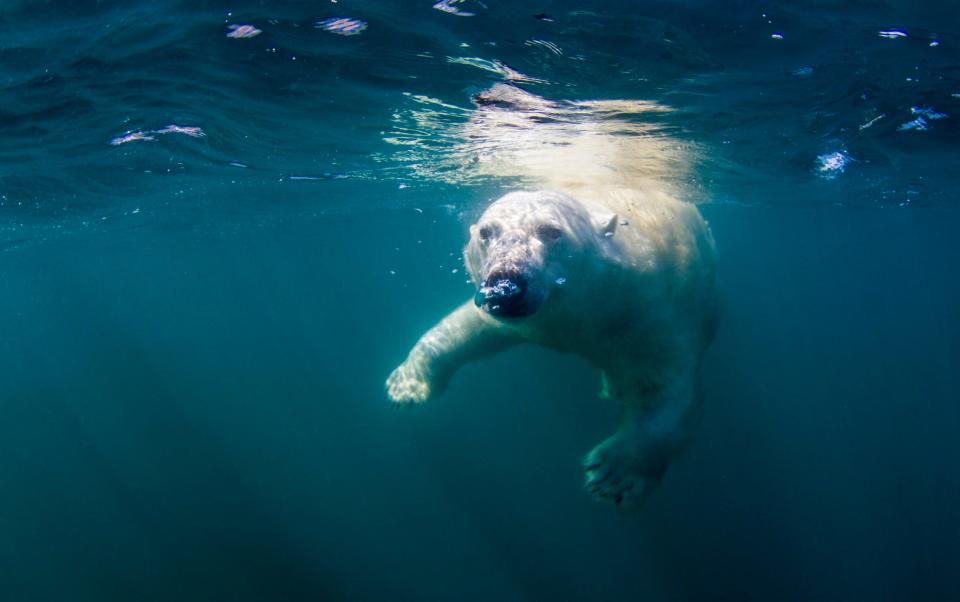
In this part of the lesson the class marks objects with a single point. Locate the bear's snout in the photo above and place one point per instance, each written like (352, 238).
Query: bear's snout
(504, 294)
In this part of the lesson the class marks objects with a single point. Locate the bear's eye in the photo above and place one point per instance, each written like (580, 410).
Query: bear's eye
(549, 232)
(485, 233)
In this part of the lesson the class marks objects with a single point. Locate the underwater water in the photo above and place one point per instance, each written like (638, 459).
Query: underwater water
(216, 242)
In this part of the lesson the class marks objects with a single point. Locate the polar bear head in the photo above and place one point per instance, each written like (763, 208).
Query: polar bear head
(526, 245)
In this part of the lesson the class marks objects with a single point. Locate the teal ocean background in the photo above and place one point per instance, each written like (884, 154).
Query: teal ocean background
(195, 329)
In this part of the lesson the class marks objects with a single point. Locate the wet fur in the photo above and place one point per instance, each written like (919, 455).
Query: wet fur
(628, 285)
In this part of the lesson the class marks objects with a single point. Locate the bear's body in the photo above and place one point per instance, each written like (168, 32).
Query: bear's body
(621, 276)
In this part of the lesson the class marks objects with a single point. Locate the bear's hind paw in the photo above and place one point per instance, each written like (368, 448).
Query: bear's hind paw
(611, 473)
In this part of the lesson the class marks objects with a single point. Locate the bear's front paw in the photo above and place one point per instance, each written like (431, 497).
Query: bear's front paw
(619, 470)
(408, 385)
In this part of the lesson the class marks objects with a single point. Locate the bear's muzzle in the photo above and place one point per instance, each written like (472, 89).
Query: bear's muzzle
(504, 294)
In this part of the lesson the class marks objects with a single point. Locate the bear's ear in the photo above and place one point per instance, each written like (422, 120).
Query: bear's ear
(606, 224)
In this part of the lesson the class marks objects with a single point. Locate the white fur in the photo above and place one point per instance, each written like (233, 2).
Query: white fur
(628, 285)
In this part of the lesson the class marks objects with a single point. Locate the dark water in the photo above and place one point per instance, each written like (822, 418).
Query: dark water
(195, 331)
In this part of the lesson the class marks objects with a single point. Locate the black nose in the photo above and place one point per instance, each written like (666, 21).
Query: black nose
(502, 294)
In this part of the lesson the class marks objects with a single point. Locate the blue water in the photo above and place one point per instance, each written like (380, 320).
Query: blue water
(195, 329)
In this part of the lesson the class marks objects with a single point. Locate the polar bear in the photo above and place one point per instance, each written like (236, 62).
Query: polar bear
(623, 276)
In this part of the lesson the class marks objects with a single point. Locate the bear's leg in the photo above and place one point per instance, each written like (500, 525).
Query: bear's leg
(460, 338)
(655, 424)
